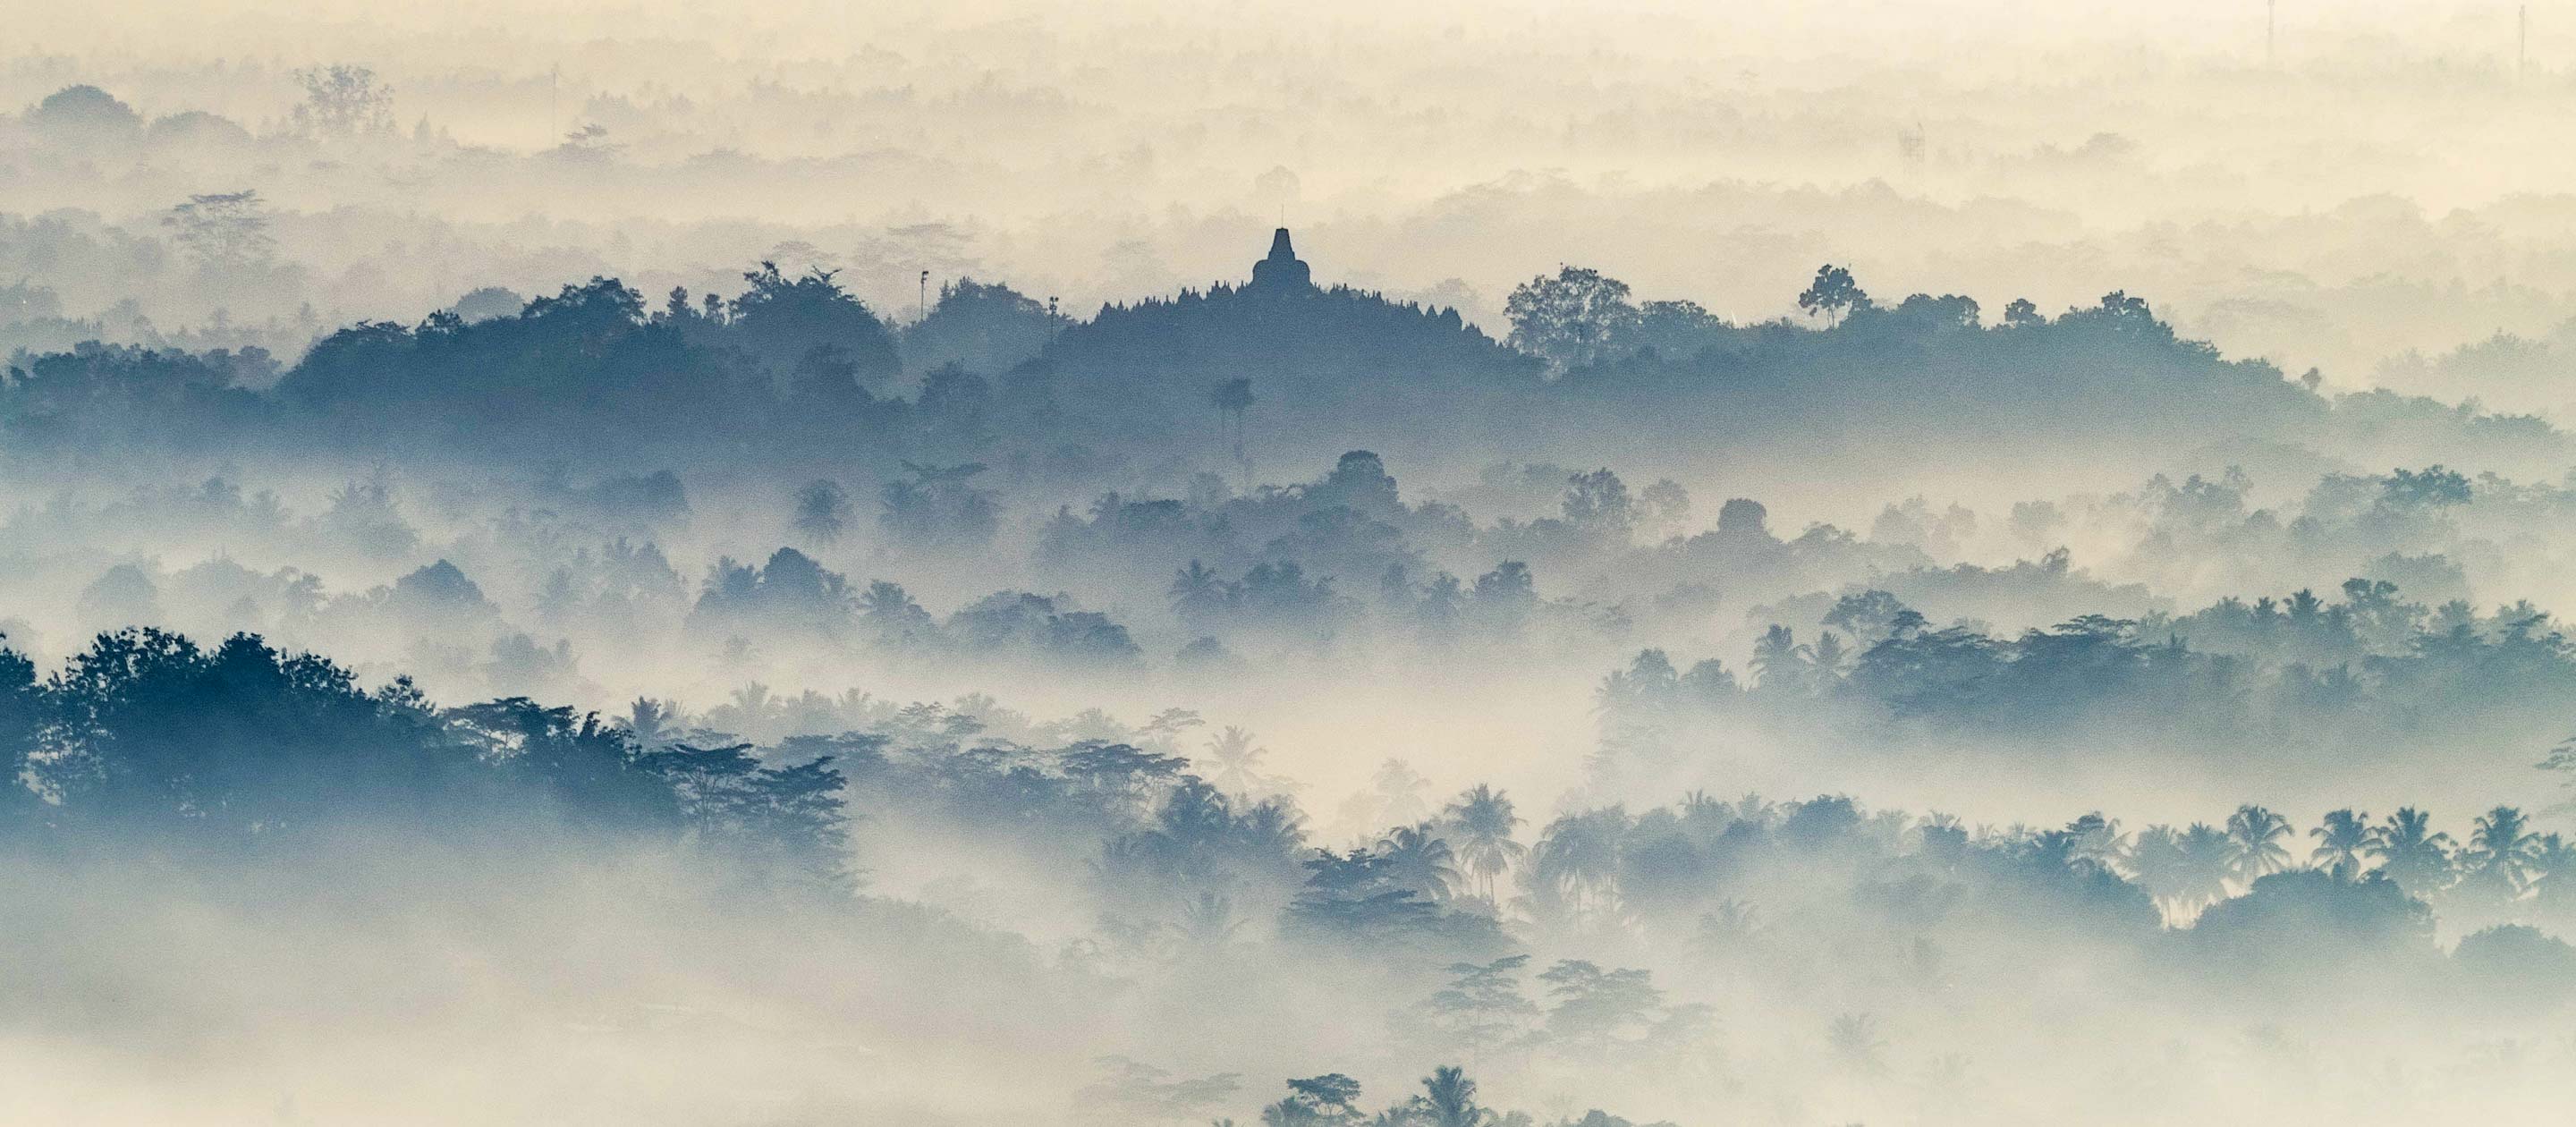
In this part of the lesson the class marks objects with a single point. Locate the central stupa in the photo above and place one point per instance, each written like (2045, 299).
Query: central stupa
(1282, 271)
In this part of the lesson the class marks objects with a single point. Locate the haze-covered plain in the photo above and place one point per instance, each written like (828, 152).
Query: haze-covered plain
(1497, 566)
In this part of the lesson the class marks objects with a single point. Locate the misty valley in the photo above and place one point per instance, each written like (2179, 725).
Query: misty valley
(891, 571)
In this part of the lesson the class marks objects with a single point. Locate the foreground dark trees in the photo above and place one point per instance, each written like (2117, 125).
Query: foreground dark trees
(147, 737)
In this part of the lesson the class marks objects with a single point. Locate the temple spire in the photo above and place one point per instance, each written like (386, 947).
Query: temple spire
(1282, 271)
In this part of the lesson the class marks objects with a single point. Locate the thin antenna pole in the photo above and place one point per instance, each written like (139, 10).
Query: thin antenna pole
(922, 311)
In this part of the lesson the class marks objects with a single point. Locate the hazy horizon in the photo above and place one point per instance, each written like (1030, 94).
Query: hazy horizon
(1897, 563)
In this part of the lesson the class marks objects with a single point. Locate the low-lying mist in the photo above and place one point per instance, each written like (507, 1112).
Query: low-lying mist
(1496, 566)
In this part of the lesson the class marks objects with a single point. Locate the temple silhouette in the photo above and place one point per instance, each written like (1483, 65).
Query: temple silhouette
(1282, 271)
(1298, 341)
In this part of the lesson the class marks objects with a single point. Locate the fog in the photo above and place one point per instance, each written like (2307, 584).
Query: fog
(1533, 565)
(2375, 195)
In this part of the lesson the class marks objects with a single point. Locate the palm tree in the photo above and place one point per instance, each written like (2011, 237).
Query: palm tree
(1270, 828)
(1578, 857)
(891, 615)
(2094, 839)
(1209, 921)
(1827, 659)
(1482, 821)
(1196, 592)
(1399, 792)
(1854, 1038)
(2155, 859)
(822, 511)
(2408, 850)
(2208, 855)
(2254, 835)
(2341, 837)
(1416, 858)
(1238, 763)
(2498, 858)
(1448, 1099)
(1727, 928)
(2553, 873)
(1699, 808)
(649, 721)
(1779, 662)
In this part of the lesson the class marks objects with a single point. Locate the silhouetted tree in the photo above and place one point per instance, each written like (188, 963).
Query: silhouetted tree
(1330, 1100)
(2497, 863)
(343, 101)
(822, 511)
(780, 321)
(1415, 858)
(1482, 1007)
(1448, 1099)
(1482, 822)
(2254, 837)
(2411, 853)
(2343, 836)
(1833, 295)
(1570, 319)
(223, 231)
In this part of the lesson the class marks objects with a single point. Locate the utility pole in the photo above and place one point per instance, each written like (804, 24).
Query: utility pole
(921, 311)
